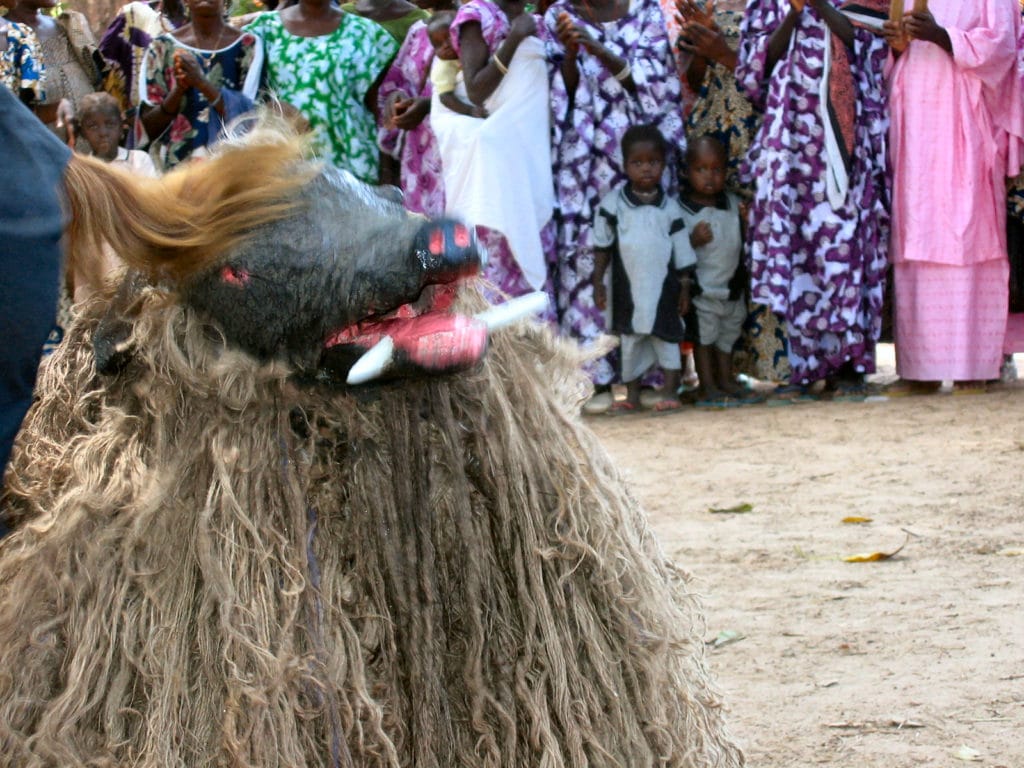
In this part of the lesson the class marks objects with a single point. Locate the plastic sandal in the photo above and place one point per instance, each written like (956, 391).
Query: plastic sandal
(667, 405)
(621, 408)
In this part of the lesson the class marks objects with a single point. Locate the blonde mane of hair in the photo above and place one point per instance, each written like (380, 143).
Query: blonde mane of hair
(177, 225)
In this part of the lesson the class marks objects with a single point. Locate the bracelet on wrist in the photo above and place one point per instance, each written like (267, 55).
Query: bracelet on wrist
(218, 100)
(499, 64)
(624, 73)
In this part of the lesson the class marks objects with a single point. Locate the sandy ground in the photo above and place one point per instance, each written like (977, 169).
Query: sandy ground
(913, 661)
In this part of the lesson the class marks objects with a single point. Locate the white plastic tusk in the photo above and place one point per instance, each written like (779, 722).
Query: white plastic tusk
(501, 315)
(373, 362)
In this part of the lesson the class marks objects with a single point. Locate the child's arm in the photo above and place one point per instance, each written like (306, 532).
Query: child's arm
(602, 258)
(778, 43)
(685, 289)
(604, 235)
(836, 21)
(455, 104)
(701, 234)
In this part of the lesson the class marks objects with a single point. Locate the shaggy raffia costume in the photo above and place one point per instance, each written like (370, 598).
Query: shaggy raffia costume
(219, 566)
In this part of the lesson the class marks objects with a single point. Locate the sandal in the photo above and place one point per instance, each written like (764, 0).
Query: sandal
(791, 393)
(748, 398)
(909, 387)
(850, 392)
(717, 403)
(969, 389)
(667, 405)
(621, 408)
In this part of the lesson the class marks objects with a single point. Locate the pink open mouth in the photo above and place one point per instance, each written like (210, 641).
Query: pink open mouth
(425, 334)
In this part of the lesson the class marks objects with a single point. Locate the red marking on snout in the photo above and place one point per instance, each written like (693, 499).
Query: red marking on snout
(437, 242)
(462, 238)
(236, 277)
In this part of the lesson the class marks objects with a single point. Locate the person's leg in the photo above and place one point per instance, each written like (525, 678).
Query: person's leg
(671, 363)
(730, 326)
(724, 380)
(670, 401)
(633, 394)
(638, 357)
(703, 360)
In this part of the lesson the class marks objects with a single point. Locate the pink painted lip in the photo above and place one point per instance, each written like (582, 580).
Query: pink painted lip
(424, 333)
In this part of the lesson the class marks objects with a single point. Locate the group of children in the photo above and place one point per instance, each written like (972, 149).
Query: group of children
(668, 271)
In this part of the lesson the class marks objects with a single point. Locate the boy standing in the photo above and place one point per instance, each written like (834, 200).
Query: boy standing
(639, 232)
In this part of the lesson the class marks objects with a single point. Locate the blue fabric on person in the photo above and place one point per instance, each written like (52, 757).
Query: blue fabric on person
(33, 163)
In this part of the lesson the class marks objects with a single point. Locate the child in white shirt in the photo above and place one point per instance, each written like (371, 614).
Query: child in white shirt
(640, 234)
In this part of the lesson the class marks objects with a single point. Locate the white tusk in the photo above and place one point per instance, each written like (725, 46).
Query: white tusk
(376, 360)
(373, 363)
(501, 315)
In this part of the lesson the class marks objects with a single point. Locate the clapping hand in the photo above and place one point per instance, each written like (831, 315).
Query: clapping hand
(575, 37)
(895, 37)
(689, 13)
(921, 25)
(706, 42)
(407, 114)
(187, 70)
(567, 32)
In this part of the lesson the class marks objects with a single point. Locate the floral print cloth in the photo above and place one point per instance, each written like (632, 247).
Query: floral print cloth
(822, 269)
(327, 78)
(235, 70)
(416, 150)
(588, 129)
(21, 61)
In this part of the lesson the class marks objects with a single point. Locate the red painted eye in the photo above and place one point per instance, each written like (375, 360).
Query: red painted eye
(437, 242)
(461, 236)
(236, 277)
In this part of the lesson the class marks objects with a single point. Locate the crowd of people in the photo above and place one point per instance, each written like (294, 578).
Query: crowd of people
(774, 185)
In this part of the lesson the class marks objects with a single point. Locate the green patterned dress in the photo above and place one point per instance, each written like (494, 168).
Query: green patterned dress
(326, 78)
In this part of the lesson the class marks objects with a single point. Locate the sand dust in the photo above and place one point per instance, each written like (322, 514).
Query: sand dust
(914, 661)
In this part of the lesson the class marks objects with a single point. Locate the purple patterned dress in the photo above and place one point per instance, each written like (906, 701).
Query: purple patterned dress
(502, 270)
(587, 131)
(818, 266)
(415, 150)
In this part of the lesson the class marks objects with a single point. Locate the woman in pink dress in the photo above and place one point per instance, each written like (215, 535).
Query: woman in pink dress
(957, 132)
